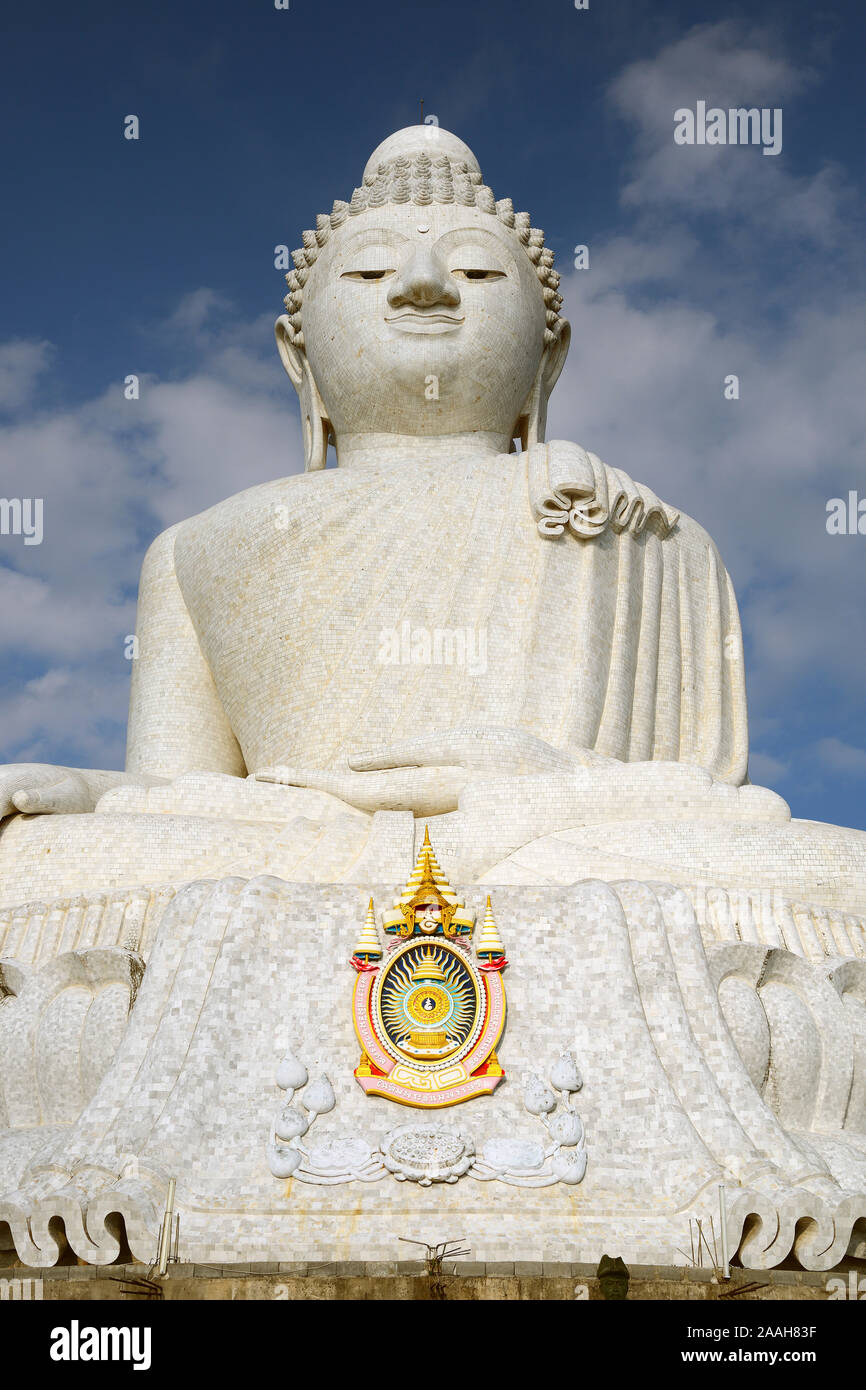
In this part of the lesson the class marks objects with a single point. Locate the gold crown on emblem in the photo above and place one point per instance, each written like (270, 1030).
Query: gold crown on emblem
(427, 883)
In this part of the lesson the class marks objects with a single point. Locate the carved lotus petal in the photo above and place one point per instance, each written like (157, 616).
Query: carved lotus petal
(570, 1168)
(339, 1154)
(291, 1124)
(291, 1073)
(564, 1074)
(538, 1098)
(566, 1128)
(282, 1162)
(427, 1153)
(319, 1098)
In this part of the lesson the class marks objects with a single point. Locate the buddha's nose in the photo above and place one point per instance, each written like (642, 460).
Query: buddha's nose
(423, 281)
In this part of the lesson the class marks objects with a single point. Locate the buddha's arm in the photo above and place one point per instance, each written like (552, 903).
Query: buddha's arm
(176, 720)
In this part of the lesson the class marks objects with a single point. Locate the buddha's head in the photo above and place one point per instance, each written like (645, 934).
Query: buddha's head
(423, 307)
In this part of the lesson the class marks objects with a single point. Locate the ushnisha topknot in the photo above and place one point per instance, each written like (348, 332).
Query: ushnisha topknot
(419, 179)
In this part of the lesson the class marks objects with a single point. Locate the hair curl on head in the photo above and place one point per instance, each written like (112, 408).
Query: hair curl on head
(422, 180)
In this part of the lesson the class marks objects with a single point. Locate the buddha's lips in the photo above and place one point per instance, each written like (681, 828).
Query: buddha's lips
(416, 321)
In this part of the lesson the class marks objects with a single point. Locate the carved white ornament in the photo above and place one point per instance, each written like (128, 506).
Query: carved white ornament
(427, 1153)
(432, 1152)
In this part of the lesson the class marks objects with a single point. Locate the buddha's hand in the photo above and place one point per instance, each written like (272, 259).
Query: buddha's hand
(42, 789)
(426, 775)
(488, 749)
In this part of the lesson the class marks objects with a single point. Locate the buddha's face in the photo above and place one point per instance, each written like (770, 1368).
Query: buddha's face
(423, 321)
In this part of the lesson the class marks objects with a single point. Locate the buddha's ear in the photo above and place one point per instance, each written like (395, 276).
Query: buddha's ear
(554, 356)
(290, 356)
(314, 422)
(533, 418)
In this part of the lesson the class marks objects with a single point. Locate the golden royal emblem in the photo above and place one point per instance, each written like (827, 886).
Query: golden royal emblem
(429, 1018)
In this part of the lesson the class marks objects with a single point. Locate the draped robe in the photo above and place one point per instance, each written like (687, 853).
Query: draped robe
(606, 621)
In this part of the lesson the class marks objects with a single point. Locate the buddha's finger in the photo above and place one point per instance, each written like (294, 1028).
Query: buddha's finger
(423, 790)
(383, 759)
(434, 751)
(426, 791)
(479, 747)
(300, 777)
(281, 775)
(68, 796)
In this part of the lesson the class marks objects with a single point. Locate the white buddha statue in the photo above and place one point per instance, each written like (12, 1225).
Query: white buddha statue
(423, 336)
(530, 652)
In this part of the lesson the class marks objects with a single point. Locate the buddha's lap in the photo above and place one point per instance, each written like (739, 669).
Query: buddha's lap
(45, 859)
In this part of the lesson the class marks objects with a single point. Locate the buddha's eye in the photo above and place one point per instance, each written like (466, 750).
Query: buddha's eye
(366, 274)
(478, 274)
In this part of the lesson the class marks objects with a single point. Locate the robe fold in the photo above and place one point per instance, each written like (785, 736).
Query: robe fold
(544, 592)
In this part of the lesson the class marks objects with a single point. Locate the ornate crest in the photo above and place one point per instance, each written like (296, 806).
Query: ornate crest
(429, 1018)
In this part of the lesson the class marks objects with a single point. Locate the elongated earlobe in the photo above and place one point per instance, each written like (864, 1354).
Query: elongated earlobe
(314, 422)
(533, 418)
(532, 421)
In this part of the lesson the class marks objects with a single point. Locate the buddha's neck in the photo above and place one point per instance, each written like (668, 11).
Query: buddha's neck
(365, 450)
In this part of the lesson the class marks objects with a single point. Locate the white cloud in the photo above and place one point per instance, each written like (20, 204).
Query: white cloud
(52, 619)
(839, 756)
(659, 323)
(113, 473)
(212, 439)
(82, 709)
(198, 308)
(766, 771)
(724, 65)
(22, 362)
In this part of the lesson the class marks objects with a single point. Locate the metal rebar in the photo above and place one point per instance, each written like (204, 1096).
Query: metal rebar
(167, 1223)
(723, 1220)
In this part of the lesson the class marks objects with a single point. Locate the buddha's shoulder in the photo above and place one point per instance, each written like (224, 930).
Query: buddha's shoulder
(634, 501)
(273, 503)
(295, 492)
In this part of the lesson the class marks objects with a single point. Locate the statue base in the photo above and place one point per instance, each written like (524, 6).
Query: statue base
(617, 974)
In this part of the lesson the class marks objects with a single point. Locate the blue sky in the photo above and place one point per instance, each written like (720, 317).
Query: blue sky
(156, 257)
